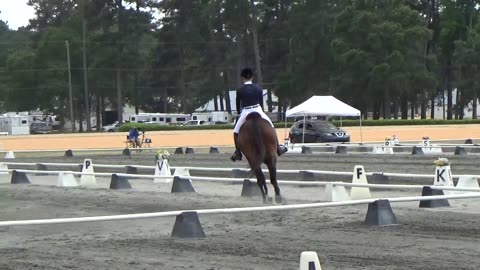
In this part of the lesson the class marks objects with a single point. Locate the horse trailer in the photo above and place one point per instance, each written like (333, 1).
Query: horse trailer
(14, 124)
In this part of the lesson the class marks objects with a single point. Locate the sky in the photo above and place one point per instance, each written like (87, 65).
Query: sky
(15, 12)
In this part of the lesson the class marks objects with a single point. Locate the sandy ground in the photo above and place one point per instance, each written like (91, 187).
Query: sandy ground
(441, 238)
(224, 137)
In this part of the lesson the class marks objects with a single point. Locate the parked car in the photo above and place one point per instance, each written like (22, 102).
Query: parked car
(218, 123)
(317, 131)
(40, 128)
(194, 123)
(112, 127)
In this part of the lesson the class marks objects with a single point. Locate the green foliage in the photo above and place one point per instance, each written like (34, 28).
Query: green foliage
(151, 127)
(406, 122)
(345, 123)
(383, 57)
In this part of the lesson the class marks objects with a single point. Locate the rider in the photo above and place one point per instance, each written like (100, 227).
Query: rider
(249, 99)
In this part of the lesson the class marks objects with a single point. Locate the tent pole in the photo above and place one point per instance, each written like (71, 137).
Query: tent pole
(285, 129)
(361, 133)
(303, 133)
(341, 124)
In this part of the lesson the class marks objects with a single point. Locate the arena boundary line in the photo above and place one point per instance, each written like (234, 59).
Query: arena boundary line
(228, 210)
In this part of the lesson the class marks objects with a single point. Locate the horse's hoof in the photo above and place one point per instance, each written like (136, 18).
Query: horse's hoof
(279, 199)
(268, 200)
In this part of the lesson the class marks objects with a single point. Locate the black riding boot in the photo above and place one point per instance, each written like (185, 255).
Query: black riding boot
(238, 153)
(281, 149)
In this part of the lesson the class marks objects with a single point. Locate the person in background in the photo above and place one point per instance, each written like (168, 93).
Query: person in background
(133, 136)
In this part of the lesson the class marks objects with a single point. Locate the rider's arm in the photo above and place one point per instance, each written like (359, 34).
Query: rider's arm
(260, 99)
(239, 109)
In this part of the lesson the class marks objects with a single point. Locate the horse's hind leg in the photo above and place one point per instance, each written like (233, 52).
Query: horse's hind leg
(272, 169)
(261, 183)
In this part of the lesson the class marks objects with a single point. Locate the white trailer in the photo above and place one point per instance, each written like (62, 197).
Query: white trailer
(204, 116)
(14, 124)
(217, 116)
(140, 118)
(160, 118)
(222, 117)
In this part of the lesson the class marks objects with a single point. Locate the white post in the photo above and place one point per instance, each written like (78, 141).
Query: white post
(361, 133)
(303, 133)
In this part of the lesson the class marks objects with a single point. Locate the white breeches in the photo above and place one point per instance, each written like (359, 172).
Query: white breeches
(245, 113)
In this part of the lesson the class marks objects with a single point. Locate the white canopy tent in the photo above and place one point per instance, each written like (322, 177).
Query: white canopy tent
(324, 106)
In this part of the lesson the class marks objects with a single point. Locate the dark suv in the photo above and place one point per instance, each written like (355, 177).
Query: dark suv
(40, 128)
(317, 131)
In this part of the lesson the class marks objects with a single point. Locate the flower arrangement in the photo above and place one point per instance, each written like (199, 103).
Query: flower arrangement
(162, 154)
(425, 138)
(441, 162)
(387, 139)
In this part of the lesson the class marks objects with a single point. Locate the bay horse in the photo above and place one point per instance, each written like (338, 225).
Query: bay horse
(258, 142)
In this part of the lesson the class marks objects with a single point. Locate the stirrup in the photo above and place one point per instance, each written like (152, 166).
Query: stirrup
(281, 149)
(236, 156)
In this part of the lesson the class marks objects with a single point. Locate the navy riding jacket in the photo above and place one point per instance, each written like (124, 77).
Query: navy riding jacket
(249, 95)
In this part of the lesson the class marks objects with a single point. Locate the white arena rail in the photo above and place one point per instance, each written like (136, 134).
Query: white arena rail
(323, 183)
(229, 210)
(231, 169)
(240, 180)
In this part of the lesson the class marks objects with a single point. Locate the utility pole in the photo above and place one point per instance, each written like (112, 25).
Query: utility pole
(258, 65)
(70, 97)
(85, 71)
(256, 50)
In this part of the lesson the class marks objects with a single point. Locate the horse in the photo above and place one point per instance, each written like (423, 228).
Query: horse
(258, 142)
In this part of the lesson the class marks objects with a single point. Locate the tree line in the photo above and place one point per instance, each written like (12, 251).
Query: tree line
(390, 58)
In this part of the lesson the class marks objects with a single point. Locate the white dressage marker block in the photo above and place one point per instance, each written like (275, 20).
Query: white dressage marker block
(383, 149)
(443, 177)
(432, 150)
(294, 149)
(9, 155)
(309, 261)
(4, 176)
(425, 142)
(336, 193)
(87, 180)
(66, 179)
(162, 168)
(466, 182)
(427, 149)
(359, 177)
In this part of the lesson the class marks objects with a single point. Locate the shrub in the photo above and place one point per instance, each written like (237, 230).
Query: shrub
(345, 123)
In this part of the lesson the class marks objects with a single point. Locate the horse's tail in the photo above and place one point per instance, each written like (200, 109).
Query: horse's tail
(258, 136)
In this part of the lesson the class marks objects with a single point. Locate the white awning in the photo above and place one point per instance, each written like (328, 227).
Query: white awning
(323, 105)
